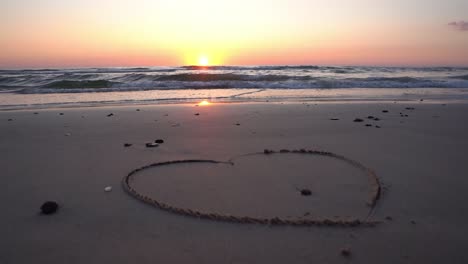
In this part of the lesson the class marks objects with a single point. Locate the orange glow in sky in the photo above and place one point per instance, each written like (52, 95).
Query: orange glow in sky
(89, 33)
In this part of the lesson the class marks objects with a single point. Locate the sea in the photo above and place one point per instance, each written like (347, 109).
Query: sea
(75, 87)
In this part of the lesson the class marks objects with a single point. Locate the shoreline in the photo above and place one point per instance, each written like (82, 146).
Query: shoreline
(12, 101)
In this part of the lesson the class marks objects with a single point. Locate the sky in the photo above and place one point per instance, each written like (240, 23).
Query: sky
(100, 33)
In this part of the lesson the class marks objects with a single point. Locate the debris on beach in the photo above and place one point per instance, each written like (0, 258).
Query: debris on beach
(358, 120)
(109, 115)
(108, 189)
(159, 141)
(49, 207)
(127, 145)
(152, 145)
(268, 151)
(306, 192)
(345, 252)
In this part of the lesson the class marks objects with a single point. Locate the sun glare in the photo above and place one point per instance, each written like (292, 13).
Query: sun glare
(204, 102)
(203, 61)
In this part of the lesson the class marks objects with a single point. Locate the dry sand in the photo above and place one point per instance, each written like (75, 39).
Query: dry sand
(71, 158)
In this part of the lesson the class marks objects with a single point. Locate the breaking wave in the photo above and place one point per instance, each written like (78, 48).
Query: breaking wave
(222, 77)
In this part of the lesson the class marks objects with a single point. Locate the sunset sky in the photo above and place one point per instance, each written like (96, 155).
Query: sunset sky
(93, 33)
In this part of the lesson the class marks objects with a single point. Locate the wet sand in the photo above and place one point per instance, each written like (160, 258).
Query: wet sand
(418, 155)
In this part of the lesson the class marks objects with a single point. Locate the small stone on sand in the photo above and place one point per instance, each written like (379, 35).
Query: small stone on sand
(370, 117)
(197, 114)
(61, 114)
(159, 141)
(306, 192)
(345, 252)
(389, 218)
(127, 145)
(334, 119)
(384, 111)
(267, 151)
(138, 110)
(108, 189)
(368, 125)
(358, 120)
(152, 145)
(49, 207)
(109, 115)
(10, 119)
(237, 124)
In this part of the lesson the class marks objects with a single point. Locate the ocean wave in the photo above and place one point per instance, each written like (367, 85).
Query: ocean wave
(67, 84)
(223, 77)
(462, 77)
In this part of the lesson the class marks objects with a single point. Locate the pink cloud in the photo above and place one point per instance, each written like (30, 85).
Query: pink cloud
(459, 25)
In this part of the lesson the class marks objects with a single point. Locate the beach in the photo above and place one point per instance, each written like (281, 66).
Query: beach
(69, 155)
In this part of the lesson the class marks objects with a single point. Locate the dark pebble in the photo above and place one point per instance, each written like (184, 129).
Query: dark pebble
(389, 218)
(109, 115)
(138, 110)
(368, 125)
(413, 222)
(345, 252)
(61, 114)
(377, 126)
(237, 124)
(36, 113)
(370, 117)
(384, 111)
(159, 141)
(49, 207)
(268, 151)
(377, 119)
(10, 119)
(334, 119)
(127, 145)
(306, 192)
(358, 120)
(197, 114)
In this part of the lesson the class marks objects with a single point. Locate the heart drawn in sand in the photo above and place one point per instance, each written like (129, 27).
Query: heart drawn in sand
(298, 187)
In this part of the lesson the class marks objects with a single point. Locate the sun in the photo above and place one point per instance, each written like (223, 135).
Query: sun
(203, 61)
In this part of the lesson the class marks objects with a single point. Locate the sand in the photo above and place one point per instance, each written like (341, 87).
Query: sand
(71, 158)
